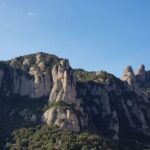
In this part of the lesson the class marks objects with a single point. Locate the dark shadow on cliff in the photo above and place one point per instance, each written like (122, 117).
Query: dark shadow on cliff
(17, 111)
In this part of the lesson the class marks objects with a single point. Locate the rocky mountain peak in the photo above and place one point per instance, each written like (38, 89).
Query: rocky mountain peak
(140, 73)
(63, 83)
(131, 79)
(129, 76)
(128, 71)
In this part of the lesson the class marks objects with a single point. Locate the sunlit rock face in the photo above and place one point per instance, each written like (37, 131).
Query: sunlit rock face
(62, 118)
(36, 86)
(63, 90)
(26, 76)
(142, 75)
(63, 83)
(129, 77)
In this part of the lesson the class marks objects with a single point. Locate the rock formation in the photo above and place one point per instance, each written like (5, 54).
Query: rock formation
(64, 87)
(62, 118)
(63, 83)
(141, 73)
(76, 100)
(63, 90)
(129, 77)
(30, 80)
(26, 61)
(35, 87)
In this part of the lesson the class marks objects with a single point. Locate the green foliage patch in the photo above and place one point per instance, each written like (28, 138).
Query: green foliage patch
(98, 77)
(46, 138)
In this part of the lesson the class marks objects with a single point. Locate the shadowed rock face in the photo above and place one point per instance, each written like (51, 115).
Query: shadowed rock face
(141, 73)
(1, 77)
(76, 99)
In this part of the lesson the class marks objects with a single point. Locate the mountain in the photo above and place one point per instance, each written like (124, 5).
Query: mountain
(46, 104)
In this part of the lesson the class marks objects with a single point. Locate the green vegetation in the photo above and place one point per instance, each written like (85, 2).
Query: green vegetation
(61, 104)
(12, 109)
(49, 61)
(146, 90)
(145, 87)
(98, 77)
(46, 138)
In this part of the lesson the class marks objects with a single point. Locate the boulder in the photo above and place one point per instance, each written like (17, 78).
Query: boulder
(62, 118)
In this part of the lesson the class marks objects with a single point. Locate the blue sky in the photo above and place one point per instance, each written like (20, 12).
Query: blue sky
(93, 34)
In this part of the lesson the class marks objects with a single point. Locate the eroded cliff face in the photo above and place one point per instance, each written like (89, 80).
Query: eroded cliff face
(26, 77)
(63, 83)
(98, 106)
(35, 87)
(113, 107)
(76, 100)
(139, 105)
(64, 92)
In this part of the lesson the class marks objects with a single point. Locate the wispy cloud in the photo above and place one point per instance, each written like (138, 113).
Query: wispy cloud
(31, 13)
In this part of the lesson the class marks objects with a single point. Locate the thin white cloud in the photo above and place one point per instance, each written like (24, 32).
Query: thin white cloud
(31, 13)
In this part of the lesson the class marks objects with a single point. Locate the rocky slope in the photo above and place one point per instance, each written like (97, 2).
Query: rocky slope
(42, 88)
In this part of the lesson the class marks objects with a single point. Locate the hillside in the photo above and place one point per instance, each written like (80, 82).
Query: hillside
(46, 104)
